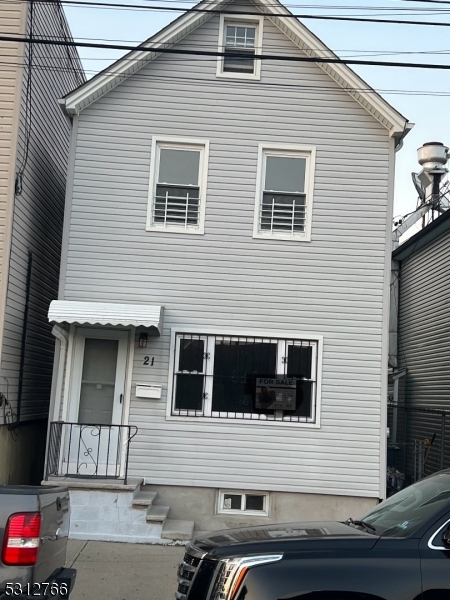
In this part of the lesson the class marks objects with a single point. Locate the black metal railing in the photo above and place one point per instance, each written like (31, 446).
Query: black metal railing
(89, 450)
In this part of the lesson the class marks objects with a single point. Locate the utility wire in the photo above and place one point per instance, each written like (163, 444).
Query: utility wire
(289, 15)
(280, 57)
(28, 102)
(79, 74)
(356, 53)
(304, 88)
(428, 1)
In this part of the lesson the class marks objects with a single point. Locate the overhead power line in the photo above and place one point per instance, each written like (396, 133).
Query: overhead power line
(304, 88)
(118, 6)
(429, 1)
(280, 57)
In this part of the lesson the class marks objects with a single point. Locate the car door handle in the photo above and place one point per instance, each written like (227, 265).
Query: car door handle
(121, 398)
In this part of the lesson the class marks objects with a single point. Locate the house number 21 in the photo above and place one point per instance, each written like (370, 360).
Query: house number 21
(147, 360)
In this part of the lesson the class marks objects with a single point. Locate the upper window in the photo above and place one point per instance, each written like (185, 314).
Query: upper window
(233, 377)
(240, 39)
(284, 193)
(178, 185)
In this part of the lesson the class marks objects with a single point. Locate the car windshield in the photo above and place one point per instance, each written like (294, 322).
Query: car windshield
(402, 514)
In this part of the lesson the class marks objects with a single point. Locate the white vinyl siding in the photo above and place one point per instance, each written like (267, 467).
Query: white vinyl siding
(226, 278)
(177, 189)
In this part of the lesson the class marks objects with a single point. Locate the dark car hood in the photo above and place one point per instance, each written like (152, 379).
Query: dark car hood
(285, 536)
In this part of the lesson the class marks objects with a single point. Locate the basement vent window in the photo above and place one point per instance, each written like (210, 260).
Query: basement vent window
(237, 502)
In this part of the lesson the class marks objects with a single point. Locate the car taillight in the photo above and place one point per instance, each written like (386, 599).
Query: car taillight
(21, 541)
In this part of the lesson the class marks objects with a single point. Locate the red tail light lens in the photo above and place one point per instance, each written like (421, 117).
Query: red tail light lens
(21, 541)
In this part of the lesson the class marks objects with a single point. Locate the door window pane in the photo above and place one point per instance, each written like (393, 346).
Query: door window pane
(233, 362)
(285, 174)
(98, 381)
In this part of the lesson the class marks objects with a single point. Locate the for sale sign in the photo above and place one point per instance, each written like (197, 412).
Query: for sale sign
(275, 393)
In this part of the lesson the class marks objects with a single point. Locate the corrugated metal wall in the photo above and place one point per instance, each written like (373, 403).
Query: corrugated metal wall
(424, 347)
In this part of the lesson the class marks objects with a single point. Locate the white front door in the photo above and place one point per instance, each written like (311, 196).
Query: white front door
(93, 443)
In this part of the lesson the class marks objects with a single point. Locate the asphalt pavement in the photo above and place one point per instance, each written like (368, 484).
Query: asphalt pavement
(118, 571)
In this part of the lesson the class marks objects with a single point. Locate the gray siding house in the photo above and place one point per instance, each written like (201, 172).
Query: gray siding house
(35, 138)
(227, 226)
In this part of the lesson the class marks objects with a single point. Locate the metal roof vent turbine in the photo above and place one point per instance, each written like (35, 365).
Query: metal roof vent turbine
(432, 157)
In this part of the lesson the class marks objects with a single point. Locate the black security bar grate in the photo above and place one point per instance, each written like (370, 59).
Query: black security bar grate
(219, 376)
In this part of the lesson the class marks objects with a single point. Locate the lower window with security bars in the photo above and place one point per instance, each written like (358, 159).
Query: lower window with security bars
(241, 377)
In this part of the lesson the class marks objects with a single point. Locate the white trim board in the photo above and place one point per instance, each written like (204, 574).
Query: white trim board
(397, 125)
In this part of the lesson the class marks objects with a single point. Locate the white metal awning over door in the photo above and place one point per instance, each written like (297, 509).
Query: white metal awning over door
(101, 313)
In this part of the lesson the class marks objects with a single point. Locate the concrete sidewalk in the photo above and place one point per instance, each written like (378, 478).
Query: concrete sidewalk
(118, 571)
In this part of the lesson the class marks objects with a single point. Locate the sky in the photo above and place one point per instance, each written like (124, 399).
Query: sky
(421, 95)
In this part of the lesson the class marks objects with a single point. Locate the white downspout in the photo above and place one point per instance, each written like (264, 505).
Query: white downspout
(63, 337)
(58, 377)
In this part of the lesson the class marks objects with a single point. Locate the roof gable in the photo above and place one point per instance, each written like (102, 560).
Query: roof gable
(301, 36)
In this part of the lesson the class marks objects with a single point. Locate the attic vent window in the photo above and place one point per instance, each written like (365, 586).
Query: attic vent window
(239, 49)
(240, 40)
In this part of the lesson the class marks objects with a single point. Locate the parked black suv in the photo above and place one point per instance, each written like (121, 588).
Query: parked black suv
(400, 550)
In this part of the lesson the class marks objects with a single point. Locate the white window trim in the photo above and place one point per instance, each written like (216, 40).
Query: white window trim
(242, 511)
(178, 143)
(308, 152)
(245, 20)
(245, 422)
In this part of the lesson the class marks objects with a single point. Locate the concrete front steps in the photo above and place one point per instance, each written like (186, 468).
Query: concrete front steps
(108, 510)
(172, 529)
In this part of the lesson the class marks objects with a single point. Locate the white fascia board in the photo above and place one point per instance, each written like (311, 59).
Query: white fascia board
(340, 72)
(394, 122)
(101, 84)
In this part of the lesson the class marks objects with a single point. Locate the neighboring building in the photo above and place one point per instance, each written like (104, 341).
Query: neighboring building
(252, 201)
(35, 138)
(423, 373)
